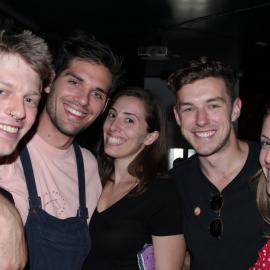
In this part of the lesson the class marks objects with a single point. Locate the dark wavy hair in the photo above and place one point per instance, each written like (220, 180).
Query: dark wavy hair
(202, 68)
(151, 162)
(83, 46)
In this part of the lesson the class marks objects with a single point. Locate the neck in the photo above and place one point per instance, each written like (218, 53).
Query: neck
(121, 173)
(49, 133)
(222, 167)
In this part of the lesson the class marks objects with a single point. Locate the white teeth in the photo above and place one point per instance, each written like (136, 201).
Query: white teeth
(75, 112)
(204, 134)
(114, 140)
(8, 128)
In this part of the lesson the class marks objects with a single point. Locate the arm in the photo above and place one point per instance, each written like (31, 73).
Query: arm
(169, 252)
(186, 265)
(13, 252)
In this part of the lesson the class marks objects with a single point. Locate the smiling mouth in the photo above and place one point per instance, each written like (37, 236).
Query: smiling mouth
(9, 129)
(205, 134)
(114, 140)
(74, 112)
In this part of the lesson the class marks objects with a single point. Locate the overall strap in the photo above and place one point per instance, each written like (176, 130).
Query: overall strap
(82, 211)
(34, 199)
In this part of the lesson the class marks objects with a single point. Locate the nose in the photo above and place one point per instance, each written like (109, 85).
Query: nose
(201, 117)
(83, 98)
(267, 156)
(114, 124)
(16, 108)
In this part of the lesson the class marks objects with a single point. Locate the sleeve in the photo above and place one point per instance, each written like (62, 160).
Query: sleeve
(7, 195)
(167, 215)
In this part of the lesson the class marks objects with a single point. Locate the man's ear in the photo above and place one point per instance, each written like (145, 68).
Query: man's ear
(236, 109)
(47, 89)
(176, 115)
(151, 137)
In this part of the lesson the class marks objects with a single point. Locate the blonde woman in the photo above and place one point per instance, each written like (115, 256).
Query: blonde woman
(263, 190)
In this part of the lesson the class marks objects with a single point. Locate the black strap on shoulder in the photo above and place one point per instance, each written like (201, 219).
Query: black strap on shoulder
(34, 199)
(82, 211)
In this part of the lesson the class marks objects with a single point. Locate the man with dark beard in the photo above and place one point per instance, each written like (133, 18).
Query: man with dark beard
(62, 178)
(222, 226)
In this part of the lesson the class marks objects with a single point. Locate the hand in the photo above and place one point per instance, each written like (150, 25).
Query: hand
(13, 251)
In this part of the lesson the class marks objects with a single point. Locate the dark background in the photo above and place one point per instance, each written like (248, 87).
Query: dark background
(234, 31)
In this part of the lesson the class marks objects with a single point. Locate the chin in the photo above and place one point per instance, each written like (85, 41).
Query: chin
(205, 152)
(5, 151)
(109, 153)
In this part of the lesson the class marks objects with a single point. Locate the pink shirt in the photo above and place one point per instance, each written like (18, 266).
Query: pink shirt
(56, 178)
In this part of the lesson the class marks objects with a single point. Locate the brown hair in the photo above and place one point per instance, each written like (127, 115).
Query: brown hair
(263, 198)
(85, 47)
(32, 49)
(152, 160)
(200, 69)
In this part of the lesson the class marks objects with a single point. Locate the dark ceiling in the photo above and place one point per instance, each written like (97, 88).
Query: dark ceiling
(236, 31)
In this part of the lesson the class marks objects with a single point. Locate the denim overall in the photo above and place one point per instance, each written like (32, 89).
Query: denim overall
(53, 243)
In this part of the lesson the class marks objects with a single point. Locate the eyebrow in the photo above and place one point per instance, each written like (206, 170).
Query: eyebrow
(265, 137)
(82, 80)
(132, 114)
(34, 92)
(221, 99)
(6, 83)
(216, 99)
(126, 113)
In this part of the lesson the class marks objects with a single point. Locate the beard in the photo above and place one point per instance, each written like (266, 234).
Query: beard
(58, 123)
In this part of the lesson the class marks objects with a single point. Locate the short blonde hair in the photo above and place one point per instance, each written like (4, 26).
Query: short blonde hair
(32, 49)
